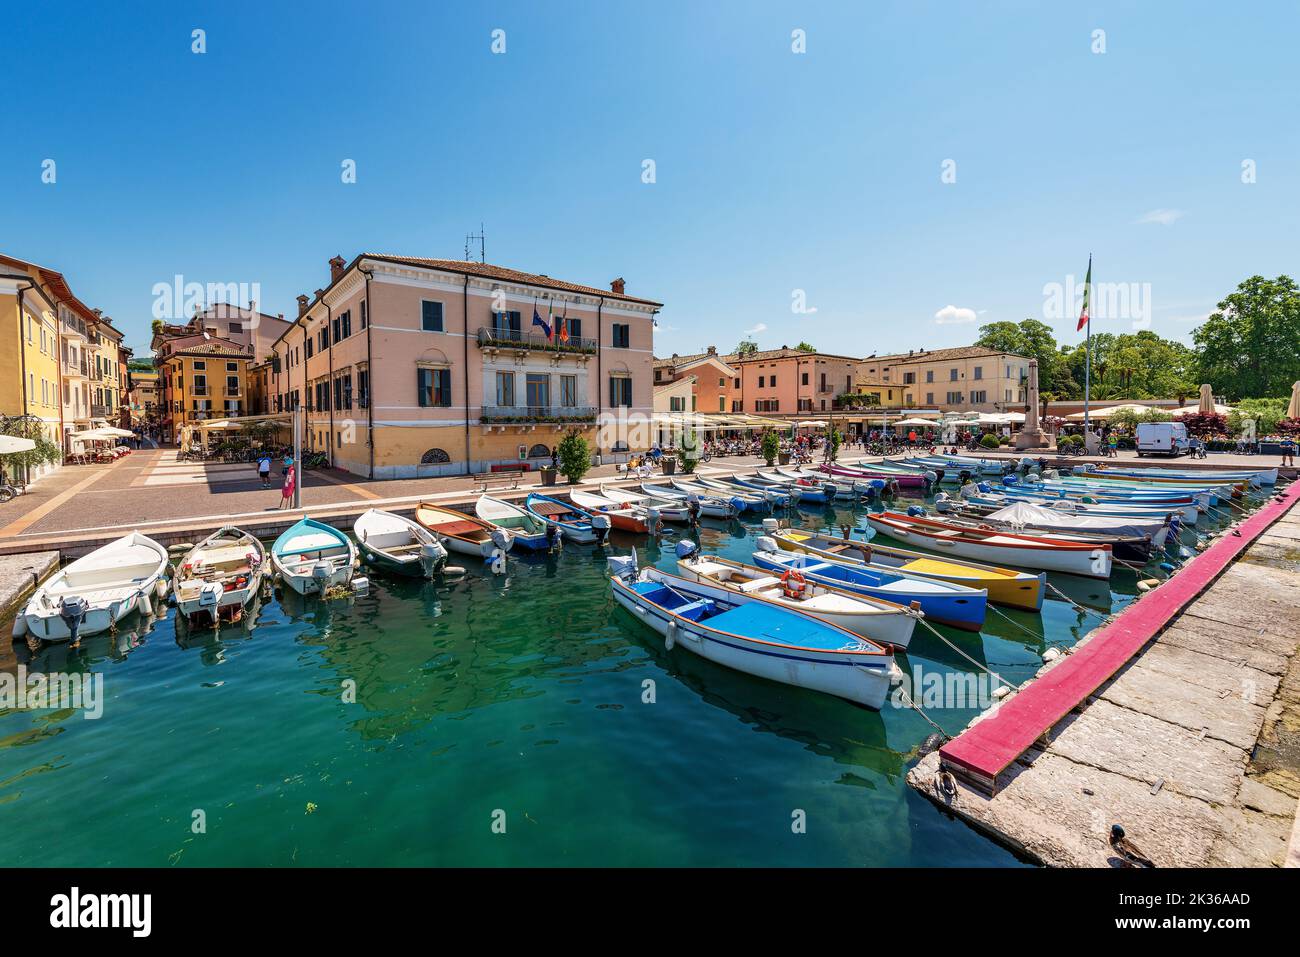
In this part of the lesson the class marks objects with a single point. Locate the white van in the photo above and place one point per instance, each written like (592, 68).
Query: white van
(1162, 438)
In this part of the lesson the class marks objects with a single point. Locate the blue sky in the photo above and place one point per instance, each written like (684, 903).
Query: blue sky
(775, 171)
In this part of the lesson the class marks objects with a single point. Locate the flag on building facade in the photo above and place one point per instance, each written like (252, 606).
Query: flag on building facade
(537, 321)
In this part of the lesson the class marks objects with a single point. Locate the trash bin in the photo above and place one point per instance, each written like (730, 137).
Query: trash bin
(548, 475)
(783, 458)
(669, 464)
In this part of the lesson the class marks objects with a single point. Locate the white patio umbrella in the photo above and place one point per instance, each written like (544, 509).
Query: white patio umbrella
(13, 444)
(1108, 412)
(1293, 410)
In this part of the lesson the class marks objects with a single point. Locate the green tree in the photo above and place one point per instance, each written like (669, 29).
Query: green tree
(805, 347)
(1033, 340)
(27, 427)
(575, 456)
(746, 347)
(1248, 348)
(770, 446)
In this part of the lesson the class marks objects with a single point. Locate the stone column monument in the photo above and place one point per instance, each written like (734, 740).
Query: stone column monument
(1032, 436)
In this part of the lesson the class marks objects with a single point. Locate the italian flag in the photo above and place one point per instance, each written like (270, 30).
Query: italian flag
(1087, 296)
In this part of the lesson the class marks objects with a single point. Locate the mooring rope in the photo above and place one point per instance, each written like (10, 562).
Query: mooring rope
(1085, 610)
(977, 664)
(996, 609)
(907, 700)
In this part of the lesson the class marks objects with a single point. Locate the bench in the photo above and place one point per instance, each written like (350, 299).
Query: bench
(501, 477)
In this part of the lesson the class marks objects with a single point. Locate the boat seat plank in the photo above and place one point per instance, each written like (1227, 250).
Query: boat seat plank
(462, 529)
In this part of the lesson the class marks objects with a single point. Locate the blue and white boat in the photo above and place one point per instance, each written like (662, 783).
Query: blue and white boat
(575, 523)
(740, 501)
(1255, 477)
(811, 491)
(754, 635)
(711, 504)
(779, 497)
(941, 601)
(312, 557)
(526, 530)
(840, 488)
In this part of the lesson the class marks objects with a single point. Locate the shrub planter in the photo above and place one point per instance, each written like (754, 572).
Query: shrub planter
(548, 475)
(669, 464)
(783, 458)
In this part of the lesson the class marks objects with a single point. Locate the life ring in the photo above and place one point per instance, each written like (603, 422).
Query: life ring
(793, 583)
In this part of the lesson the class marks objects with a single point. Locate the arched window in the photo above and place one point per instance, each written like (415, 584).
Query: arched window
(434, 457)
(539, 451)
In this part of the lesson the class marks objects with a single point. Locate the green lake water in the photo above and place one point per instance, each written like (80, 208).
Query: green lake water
(516, 698)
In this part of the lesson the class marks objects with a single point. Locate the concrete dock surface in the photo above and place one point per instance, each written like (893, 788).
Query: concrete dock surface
(1193, 747)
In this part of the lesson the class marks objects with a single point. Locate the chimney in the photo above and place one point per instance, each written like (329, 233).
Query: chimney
(616, 286)
(302, 306)
(336, 268)
(279, 315)
(713, 350)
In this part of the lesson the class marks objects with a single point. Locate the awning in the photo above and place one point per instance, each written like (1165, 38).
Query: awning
(13, 445)
(1107, 412)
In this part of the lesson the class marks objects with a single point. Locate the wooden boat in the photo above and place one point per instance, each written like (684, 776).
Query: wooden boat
(781, 497)
(764, 498)
(861, 473)
(1254, 476)
(1032, 515)
(312, 557)
(219, 576)
(810, 492)
(971, 496)
(526, 531)
(998, 547)
(669, 510)
(942, 601)
(739, 501)
(710, 505)
(883, 621)
(395, 543)
(95, 592)
(843, 488)
(626, 518)
(1189, 507)
(755, 636)
(463, 533)
(1133, 547)
(575, 523)
(1005, 586)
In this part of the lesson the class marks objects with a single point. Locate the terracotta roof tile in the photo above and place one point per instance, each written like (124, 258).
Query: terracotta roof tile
(489, 271)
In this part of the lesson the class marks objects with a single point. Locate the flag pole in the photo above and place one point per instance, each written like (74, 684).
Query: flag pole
(1087, 359)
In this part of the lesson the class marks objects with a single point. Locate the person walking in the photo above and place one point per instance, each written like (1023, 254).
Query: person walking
(1288, 451)
(264, 469)
(290, 478)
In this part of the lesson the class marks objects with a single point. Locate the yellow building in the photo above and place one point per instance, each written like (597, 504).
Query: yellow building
(200, 377)
(964, 379)
(29, 353)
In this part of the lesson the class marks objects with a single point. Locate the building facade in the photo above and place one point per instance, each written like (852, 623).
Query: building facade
(200, 377)
(964, 379)
(411, 367)
(29, 356)
(715, 384)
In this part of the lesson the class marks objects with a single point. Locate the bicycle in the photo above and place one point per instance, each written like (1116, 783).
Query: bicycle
(10, 490)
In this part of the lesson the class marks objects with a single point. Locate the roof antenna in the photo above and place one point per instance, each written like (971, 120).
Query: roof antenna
(469, 238)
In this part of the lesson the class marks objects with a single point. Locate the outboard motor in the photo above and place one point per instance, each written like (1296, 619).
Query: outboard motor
(771, 526)
(938, 476)
(879, 488)
(1051, 474)
(1010, 480)
(685, 548)
(502, 539)
(434, 557)
(970, 491)
(319, 572)
(915, 510)
(1033, 478)
(209, 595)
(765, 543)
(932, 476)
(963, 477)
(600, 525)
(623, 567)
(72, 609)
(942, 503)
(654, 521)
(1079, 470)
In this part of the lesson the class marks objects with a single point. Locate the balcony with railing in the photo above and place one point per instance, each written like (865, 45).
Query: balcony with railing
(537, 414)
(98, 410)
(502, 337)
(77, 369)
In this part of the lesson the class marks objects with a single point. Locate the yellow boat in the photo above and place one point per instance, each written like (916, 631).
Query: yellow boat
(1006, 586)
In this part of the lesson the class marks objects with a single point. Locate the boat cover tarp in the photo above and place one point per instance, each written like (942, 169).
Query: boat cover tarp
(1027, 514)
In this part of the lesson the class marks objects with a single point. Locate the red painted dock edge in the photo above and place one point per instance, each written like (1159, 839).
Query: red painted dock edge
(984, 750)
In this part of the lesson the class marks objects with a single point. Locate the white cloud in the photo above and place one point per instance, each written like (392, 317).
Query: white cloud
(950, 315)
(1163, 217)
(761, 327)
